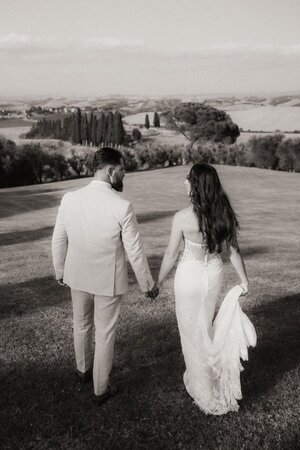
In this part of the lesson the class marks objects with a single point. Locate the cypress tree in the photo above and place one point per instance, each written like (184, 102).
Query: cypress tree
(67, 128)
(48, 128)
(103, 128)
(94, 131)
(118, 128)
(76, 127)
(73, 129)
(98, 132)
(156, 120)
(91, 127)
(84, 129)
(44, 128)
(110, 137)
(147, 122)
(58, 129)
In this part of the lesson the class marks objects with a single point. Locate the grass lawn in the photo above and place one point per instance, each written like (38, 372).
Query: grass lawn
(43, 406)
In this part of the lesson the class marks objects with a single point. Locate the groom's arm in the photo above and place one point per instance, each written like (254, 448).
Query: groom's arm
(59, 244)
(135, 250)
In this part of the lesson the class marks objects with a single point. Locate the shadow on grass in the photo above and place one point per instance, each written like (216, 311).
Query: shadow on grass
(47, 404)
(247, 252)
(278, 346)
(44, 404)
(35, 189)
(152, 216)
(22, 298)
(14, 203)
(20, 237)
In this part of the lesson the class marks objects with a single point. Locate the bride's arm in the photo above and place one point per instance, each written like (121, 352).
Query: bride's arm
(239, 266)
(172, 251)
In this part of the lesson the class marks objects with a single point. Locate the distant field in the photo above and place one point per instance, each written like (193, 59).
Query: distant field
(13, 128)
(249, 117)
(153, 135)
(41, 404)
(244, 136)
(266, 118)
(15, 123)
(139, 118)
(14, 133)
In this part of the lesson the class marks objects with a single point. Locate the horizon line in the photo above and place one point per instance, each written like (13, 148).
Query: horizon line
(7, 97)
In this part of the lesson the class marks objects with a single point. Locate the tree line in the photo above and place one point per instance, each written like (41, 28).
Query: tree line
(34, 163)
(272, 152)
(78, 128)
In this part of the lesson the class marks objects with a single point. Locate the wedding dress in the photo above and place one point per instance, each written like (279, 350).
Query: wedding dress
(211, 350)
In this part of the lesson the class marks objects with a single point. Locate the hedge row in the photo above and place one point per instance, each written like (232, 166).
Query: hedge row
(34, 163)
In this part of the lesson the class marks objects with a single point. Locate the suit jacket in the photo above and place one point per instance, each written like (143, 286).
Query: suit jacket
(94, 228)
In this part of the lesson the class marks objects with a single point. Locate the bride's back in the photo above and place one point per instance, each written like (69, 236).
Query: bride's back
(190, 226)
(194, 244)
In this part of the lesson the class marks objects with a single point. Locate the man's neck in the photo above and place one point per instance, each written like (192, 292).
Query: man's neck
(101, 177)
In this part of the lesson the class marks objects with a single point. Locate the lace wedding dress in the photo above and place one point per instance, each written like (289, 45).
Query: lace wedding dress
(211, 350)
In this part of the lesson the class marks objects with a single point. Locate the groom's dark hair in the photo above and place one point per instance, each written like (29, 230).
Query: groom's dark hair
(106, 156)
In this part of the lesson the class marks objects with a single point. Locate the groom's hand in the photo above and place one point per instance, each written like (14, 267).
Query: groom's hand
(153, 293)
(61, 283)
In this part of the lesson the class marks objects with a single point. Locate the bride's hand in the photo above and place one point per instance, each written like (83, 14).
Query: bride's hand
(245, 286)
(158, 285)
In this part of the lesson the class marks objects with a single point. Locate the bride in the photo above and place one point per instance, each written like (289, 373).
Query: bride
(211, 350)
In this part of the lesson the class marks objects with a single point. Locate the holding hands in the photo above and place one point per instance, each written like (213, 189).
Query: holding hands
(61, 283)
(153, 293)
(245, 286)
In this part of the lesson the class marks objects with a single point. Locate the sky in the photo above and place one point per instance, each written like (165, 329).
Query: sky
(89, 48)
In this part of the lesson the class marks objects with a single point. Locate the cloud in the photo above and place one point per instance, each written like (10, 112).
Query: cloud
(113, 43)
(25, 42)
(18, 48)
(10, 41)
(239, 50)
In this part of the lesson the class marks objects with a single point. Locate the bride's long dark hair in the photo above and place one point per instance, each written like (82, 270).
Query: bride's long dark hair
(217, 220)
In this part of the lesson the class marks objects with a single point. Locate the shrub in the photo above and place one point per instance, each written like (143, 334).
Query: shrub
(288, 153)
(36, 161)
(263, 150)
(58, 166)
(129, 158)
(136, 134)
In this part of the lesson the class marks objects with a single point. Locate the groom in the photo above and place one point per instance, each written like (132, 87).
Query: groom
(94, 228)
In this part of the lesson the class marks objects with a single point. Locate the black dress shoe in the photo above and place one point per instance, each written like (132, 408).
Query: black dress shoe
(101, 399)
(84, 377)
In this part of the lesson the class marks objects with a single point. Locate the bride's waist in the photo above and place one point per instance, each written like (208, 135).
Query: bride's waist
(210, 258)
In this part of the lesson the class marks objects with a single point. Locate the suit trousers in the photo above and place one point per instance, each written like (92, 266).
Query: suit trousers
(104, 312)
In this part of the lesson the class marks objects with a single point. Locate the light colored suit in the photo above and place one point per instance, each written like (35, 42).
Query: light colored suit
(94, 229)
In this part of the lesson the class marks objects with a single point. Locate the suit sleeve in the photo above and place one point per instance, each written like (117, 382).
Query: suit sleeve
(135, 250)
(59, 244)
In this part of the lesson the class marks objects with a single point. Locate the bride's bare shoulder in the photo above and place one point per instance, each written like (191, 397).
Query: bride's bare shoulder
(182, 214)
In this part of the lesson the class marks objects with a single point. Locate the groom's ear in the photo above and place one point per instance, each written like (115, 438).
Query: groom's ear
(110, 170)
